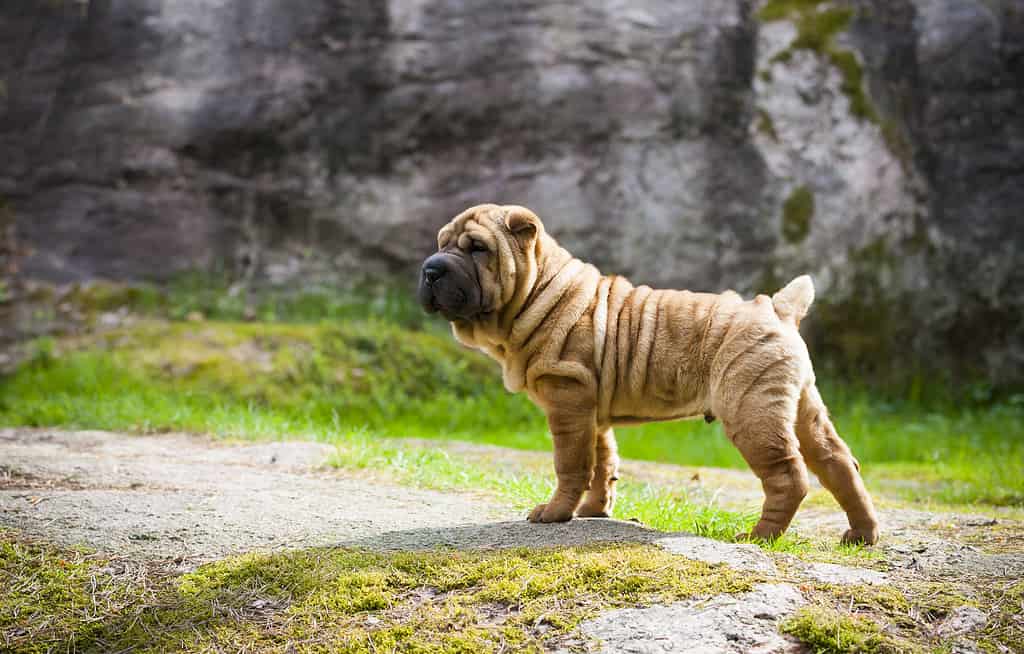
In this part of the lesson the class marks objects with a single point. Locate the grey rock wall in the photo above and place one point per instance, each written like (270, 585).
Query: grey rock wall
(685, 143)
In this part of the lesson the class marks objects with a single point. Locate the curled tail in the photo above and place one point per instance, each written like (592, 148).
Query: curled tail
(792, 302)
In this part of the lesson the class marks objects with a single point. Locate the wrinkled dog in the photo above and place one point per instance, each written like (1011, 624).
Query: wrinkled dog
(594, 351)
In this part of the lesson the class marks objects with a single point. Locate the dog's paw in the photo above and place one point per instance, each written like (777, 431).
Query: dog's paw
(592, 511)
(536, 513)
(860, 536)
(549, 513)
(757, 535)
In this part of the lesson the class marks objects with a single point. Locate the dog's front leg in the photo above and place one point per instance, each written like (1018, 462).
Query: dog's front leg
(574, 433)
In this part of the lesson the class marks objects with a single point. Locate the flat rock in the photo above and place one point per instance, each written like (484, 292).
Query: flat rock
(194, 499)
(739, 556)
(745, 623)
(963, 620)
(514, 533)
(831, 573)
(183, 497)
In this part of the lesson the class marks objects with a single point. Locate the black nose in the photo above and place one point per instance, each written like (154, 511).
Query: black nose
(433, 271)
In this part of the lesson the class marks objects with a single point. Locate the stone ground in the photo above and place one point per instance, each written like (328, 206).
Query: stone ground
(185, 500)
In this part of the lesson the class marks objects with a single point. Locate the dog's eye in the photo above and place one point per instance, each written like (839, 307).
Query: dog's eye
(477, 246)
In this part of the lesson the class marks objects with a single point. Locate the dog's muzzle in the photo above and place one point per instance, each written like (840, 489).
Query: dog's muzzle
(446, 286)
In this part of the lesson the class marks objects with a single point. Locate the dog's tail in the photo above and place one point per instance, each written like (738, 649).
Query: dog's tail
(792, 302)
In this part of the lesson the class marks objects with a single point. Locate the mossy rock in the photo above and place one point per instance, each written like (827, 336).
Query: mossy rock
(817, 24)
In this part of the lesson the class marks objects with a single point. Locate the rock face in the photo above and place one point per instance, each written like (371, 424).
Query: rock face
(877, 144)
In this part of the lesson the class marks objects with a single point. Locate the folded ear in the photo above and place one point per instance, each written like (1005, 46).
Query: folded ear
(522, 222)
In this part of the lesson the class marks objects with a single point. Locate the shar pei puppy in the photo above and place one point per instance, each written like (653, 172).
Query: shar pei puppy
(593, 351)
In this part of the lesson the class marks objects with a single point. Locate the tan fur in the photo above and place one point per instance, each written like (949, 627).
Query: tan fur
(595, 351)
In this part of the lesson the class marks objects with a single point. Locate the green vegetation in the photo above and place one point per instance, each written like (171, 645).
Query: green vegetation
(215, 296)
(354, 370)
(872, 619)
(827, 631)
(782, 9)
(817, 27)
(661, 506)
(335, 600)
(47, 590)
(797, 212)
(903, 618)
(332, 379)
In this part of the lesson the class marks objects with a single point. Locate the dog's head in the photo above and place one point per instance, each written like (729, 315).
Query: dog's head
(487, 258)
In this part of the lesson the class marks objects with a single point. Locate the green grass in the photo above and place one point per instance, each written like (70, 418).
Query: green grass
(269, 380)
(334, 600)
(376, 370)
(216, 296)
(664, 507)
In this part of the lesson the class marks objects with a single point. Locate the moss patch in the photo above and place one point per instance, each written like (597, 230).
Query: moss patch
(53, 595)
(782, 9)
(765, 125)
(797, 213)
(901, 618)
(341, 600)
(827, 631)
(817, 25)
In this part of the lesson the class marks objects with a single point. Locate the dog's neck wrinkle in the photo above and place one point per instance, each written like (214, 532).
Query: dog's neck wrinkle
(554, 260)
(508, 337)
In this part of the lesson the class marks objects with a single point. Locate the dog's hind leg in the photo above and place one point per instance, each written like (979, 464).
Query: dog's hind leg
(600, 499)
(770, 449)
(830, 459)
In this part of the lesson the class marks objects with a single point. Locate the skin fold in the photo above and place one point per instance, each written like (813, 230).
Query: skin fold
(593, 352)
